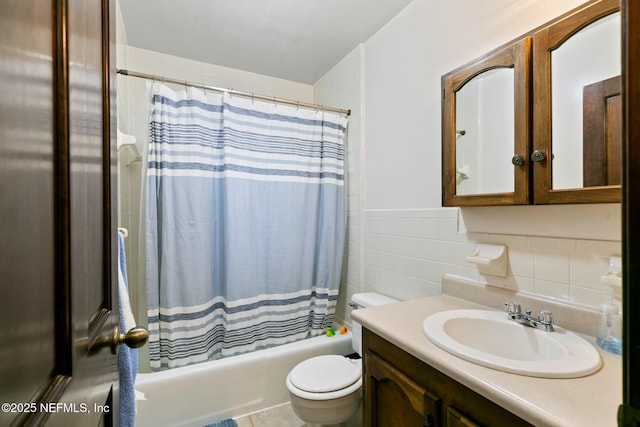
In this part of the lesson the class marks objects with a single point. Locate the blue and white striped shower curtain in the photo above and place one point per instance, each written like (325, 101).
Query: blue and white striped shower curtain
(245, 224)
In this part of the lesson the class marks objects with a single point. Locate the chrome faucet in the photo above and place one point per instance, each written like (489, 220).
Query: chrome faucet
(514, 312)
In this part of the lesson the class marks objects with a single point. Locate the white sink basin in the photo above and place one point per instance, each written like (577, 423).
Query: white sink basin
(489, 339)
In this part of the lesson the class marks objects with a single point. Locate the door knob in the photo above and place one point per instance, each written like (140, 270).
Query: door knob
(136, 337)
(517, 160)
(537, 156)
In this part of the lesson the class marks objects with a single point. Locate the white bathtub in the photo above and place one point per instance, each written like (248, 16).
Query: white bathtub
(227, 388)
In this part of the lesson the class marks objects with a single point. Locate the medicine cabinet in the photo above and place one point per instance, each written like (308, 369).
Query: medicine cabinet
(486, 129)
(538, 121)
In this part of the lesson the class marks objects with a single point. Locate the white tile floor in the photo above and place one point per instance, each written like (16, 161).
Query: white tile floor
(283, 416)
(278, 416)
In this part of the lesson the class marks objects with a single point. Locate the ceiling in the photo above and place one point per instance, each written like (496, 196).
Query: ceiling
(298, 40)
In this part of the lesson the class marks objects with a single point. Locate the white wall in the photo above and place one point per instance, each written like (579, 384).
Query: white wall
(342, 87)
(409, 240)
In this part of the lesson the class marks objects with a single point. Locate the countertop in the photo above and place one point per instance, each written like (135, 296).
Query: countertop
(588, 401)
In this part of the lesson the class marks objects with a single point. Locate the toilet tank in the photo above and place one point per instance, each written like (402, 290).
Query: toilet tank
(365, 300)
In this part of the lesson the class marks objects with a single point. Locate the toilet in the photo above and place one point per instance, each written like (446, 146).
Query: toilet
(326, 390)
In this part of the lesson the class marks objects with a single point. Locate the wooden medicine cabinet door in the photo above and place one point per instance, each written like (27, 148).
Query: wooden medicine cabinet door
(577, 107)
(555, 136)
(486, 129)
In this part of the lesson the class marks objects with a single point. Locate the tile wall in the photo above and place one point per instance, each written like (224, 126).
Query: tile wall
(408, 251)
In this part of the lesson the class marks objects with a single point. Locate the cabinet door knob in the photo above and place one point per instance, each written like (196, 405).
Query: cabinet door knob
(537, 156)
(517, 160)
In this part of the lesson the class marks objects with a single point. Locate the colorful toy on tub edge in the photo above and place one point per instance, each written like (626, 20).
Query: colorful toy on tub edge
(331, 332)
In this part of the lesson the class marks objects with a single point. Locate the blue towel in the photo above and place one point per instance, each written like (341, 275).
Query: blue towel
(224, 423)
(127, 357)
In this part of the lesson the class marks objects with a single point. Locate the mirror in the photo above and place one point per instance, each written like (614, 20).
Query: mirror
(577, 107)
(486, 123)
(485, 133)
(586, 107)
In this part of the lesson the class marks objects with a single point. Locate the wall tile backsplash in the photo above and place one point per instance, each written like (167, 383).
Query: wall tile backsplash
(407, 252)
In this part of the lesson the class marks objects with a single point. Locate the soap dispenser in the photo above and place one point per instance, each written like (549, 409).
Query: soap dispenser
(609, 336)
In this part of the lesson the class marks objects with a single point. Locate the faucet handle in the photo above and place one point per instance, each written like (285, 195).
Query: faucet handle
(546, 317)
(513, 308)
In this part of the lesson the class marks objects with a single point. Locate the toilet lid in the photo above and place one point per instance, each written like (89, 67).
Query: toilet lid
(323, 374)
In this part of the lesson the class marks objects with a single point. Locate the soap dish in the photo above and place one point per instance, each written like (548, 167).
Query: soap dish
(490, 259)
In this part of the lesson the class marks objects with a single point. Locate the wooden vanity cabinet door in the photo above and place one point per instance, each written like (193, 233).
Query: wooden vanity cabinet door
(456, 419)
(516, 56)
(401, 390)
(396, 400)
(546, 41)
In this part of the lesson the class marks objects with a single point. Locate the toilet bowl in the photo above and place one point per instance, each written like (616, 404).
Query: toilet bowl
(326, 390)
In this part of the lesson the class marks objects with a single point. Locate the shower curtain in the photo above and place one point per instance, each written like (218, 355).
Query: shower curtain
(245, 229)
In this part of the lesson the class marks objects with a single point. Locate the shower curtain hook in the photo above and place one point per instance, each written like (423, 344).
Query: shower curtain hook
(274, 102)
(252, 98)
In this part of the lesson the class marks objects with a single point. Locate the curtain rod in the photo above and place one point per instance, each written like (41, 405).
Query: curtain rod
(233, 92)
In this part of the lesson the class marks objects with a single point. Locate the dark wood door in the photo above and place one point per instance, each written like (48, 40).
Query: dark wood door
(57, 232)
(602, 133)
(629, 414)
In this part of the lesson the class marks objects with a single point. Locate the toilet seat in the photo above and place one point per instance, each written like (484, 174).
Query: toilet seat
(325, 377)
(323, 374)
